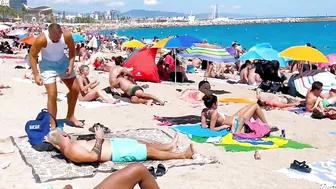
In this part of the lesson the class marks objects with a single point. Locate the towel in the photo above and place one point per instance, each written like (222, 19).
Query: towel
(197, 130)
(298, 110)
(323, 173)
(95, 104)
(333, 133)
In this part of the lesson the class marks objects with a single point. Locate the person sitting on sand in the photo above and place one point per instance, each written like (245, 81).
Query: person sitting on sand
(135, 92)
(219, 121)
(313, 95)
(128, 178)
(115, 150)
(118, 70)
(87, 89)
(253, 77)
(99, 64)
(276, 101)
(324, 103)
(244, 72)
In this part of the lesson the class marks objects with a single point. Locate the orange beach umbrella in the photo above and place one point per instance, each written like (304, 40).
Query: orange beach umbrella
(28, 40)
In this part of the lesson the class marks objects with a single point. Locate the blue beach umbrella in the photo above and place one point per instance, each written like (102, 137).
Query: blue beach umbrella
(264, 54)
(177, 42)
(23, 36)
(260, 46)
(77, 38)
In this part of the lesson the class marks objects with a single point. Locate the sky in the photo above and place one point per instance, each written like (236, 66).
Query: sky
(247, 7)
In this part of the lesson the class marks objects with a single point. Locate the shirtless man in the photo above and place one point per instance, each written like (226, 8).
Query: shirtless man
(135, 92)
(253, 77)
(118, 71)
(51, 44)
(313, 96)
(245, 72)
(115, 150)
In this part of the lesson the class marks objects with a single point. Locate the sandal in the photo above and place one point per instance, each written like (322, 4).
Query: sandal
(300, 166)
(157, 118)
(152, 171)
(161, 170)
(105, 129)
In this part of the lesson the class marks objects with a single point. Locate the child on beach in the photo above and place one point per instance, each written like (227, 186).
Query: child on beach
(235, 123)
(87, 88)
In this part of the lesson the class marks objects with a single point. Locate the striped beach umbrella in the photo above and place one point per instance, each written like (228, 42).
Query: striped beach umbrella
(214, 55)
(304, 81)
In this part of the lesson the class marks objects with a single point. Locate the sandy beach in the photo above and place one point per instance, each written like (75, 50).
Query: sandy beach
(23, 101)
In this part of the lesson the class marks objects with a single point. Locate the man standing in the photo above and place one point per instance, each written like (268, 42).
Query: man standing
(51, 44)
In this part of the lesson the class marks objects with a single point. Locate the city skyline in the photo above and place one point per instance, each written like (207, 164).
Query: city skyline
(257, 7)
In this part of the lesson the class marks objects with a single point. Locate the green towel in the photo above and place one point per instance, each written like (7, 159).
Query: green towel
(237, 148)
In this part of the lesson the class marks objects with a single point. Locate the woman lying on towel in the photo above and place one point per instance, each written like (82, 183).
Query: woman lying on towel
(128, 178)
(325, 113)
(235, 123)
(87, 88)
(276, 101)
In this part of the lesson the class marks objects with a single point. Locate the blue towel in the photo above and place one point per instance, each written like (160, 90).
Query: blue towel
(198, 131)
(298, 110)
(333, 133)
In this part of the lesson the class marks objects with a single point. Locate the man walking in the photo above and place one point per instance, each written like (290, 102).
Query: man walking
(51, 44)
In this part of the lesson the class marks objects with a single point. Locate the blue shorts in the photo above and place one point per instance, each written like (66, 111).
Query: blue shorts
(128, 150)
(51, 69)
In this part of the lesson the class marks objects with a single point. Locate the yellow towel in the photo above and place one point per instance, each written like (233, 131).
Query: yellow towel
(228, 139)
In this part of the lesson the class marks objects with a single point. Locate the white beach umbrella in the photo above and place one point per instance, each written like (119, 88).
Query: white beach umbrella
(93, 42)
(17, 32)
(4, 27)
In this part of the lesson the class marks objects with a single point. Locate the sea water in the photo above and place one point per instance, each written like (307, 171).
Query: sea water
(280, 36)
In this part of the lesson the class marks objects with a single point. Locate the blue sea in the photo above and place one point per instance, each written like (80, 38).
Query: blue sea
(280, 36)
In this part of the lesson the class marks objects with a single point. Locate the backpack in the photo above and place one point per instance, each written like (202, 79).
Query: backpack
(39, 128)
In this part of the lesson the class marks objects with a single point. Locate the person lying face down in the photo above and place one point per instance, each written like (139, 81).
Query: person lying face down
(135, 92)
(235, 123)
(116, 150)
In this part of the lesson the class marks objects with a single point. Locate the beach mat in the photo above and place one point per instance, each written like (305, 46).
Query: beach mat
(237, 100)
(198, 131)
(94, 104)
(323, 173)
(247, 148)
(181, 120)
(50, 166)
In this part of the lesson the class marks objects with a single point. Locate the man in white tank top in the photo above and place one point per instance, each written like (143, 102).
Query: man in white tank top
(51, 44)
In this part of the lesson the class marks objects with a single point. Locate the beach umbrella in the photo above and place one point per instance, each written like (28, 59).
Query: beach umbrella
(17, 32)
(28, 40)
(231, 50)
(93, 43)
(177, 42)
(77, 38)
(304, 81)
(304, 53)
(260, 46)
(264, 54)
(133, 44)
(332, 61)
(214, 55)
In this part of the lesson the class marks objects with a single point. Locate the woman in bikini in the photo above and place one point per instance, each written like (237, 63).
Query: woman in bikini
(87, 88)
(235, 123)
(276, 101)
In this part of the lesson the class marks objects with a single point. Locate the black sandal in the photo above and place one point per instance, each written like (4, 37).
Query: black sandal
(300, 166)
(161, 170)
(105, 129)
(152, 171)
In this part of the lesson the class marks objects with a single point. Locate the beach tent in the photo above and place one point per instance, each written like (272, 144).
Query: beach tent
(142, 63)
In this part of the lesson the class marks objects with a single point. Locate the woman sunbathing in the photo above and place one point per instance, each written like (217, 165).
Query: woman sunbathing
(276, 101)
(235, 123)
(87, 88)
(325, 113)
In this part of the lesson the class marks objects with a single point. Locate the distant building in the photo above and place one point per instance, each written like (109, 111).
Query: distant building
(215, 12)
(17, 4)
(4, 3)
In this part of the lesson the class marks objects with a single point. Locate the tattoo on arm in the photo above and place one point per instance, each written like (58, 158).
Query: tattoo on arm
(98, 147)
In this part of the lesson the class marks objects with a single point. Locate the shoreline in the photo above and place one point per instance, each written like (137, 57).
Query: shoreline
(228, 22)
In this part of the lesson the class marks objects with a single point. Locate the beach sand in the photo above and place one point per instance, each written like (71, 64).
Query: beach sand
(235, 171)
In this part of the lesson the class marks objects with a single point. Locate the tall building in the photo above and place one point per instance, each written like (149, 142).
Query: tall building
(215, 12)
(4, 3)
(17, 4)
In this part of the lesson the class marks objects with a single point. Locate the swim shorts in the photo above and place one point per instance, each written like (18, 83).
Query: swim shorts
(128, 150)
(326, 103)
(134, 89)
(51, 69)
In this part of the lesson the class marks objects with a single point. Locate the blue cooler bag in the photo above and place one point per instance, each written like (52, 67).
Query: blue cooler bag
(39, 128)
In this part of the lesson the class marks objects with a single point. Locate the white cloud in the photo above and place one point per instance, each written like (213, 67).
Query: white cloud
(116, 4)
(68, 2)
(150, 2)
(236, 7)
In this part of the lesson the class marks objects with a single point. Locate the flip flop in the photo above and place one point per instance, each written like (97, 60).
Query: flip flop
(72, 124)
(152, 171)
(300, 166)
(164, 123)
(274, 129)
(157, 118)
(161, 170)
(105, 129)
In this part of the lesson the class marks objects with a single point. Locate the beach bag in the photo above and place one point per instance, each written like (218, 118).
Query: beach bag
(39, 128)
